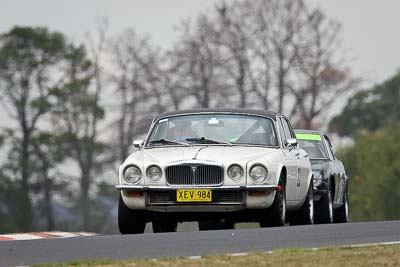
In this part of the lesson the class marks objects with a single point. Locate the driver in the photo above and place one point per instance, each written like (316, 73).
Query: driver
(182, 131)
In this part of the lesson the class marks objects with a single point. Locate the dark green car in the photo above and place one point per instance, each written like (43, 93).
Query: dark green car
(330, 179)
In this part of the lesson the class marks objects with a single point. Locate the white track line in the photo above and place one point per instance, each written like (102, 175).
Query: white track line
(195, 257)
(42, 235)
(238, 254)
(22, 236)
(374, 244)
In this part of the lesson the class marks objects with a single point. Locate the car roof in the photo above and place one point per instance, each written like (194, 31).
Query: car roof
(309, 131)
(259, 112)
(313, 132)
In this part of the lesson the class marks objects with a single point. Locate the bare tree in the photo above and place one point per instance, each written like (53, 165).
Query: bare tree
(243, 51)
(281, 23)
(139, 81)
(233, 36)
(321, 72)
(196, 60)
(76, 117)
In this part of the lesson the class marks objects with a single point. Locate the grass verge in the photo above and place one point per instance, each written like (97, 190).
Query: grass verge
(388, 255)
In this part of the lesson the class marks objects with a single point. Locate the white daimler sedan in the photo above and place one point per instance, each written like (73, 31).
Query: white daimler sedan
(217, 167)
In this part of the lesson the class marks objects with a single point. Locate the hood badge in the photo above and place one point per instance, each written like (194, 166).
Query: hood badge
(194, 168)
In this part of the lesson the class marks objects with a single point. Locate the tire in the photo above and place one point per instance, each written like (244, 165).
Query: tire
(324, 208)
(130, 221)
(341, 214)
(164, 226)
(276, 214)
(305, 215)
(215, 225)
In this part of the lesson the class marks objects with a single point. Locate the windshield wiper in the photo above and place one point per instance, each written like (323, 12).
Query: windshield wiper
(204, 140)
(166, 141)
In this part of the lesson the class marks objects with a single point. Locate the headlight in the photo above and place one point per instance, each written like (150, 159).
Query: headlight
(132, 174)
(318, 176)
(235, 172)
(154, 173)
(258, 174)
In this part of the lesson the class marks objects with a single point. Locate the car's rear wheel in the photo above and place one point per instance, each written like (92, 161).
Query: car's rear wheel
(130, 221)
(341, 214)
(276, 214)
(305, 215)
(208, 225)
(324, 207)
(163, 226)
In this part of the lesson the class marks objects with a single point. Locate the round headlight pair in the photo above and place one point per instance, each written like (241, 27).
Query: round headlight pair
(132, 174)
(235, 172)
(258, 174)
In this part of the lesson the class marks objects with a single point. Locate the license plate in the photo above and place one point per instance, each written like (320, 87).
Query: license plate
(194, 195)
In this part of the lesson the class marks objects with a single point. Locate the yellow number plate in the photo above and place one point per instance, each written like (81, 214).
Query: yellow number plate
(194, 195)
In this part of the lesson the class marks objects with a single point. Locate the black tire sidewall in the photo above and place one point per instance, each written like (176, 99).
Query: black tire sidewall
(130, 221)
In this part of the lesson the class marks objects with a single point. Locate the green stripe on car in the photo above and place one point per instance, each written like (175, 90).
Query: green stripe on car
(308, 136)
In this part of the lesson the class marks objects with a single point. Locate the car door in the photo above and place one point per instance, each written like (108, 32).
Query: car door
(291, 154)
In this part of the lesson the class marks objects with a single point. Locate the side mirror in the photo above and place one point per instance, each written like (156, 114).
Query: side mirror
(138, 143)
(291, 143)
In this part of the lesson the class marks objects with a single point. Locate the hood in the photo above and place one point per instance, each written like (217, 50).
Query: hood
(221, 154)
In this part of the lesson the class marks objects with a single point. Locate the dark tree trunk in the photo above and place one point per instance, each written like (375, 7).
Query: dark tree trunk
(85, 205)
(26, 205)
(48, 201)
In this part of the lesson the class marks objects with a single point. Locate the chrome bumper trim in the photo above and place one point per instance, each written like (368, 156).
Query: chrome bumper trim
(243, 187)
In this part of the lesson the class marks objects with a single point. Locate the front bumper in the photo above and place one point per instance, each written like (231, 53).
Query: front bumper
(225, 198)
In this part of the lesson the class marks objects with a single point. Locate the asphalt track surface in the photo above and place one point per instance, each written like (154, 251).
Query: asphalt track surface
(27, 252)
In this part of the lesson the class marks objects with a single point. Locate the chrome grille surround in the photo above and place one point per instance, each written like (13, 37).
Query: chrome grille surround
(195, 173)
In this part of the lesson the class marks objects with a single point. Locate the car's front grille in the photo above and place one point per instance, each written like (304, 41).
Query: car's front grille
(194, 174)
(218, 196)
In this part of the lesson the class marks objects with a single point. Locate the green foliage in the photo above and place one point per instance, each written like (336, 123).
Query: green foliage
(29, 59)
(372, 117)
(11, 216)
(45, 79)
(374, 167)
(371, 109)
(30, 47)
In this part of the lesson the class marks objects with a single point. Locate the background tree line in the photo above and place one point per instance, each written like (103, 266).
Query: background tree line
(71, 110)
(372, 118)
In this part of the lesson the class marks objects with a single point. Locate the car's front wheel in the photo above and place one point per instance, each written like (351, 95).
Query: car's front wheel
(324, 207)
(341, 214)
(276, 214)
(305, 215)
(130, 221)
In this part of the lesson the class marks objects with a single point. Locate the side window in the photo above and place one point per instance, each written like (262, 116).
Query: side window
(288, 129)
(281, 131)
(330, 150)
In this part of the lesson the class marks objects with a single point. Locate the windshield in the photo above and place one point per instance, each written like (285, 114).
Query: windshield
(313, 145)
(227, 129)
